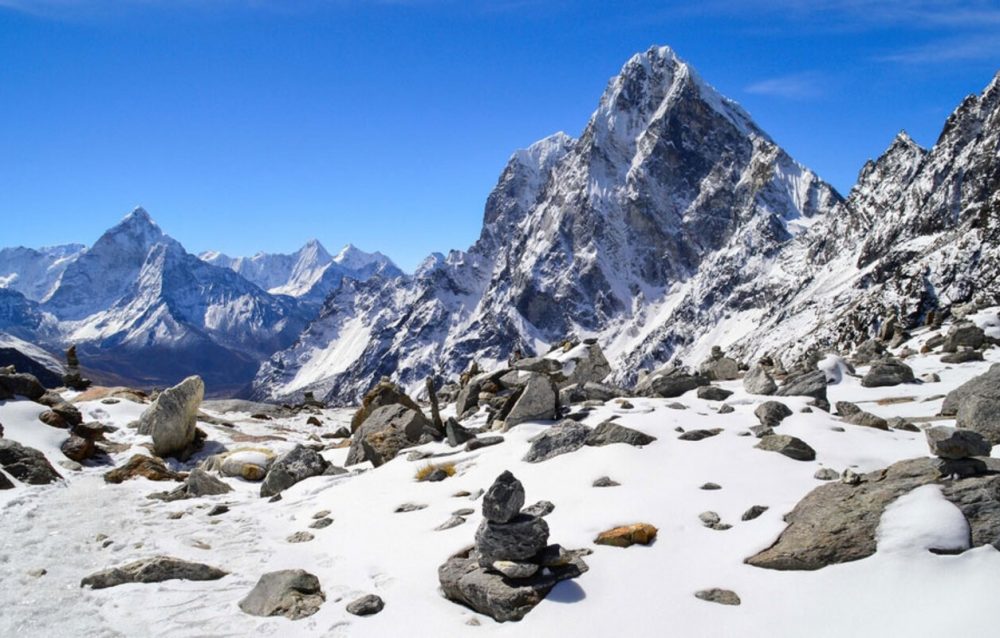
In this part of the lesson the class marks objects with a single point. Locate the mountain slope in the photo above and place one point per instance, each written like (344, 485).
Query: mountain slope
(670, 200)
(35, 273)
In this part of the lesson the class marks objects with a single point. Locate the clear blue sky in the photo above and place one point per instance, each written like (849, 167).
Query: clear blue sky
(246, 125)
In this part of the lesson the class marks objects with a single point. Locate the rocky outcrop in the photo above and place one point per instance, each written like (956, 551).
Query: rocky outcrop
(292, 593)
(152, 570)
(171, 419)
(537, 401)
(20, 384)
(836, 523)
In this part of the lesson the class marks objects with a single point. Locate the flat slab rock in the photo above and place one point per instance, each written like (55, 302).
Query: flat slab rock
(836, 522)
(504, 599)
(152, 570)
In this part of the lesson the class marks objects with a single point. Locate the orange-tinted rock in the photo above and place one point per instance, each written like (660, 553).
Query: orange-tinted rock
(627, 535)
(144, 466)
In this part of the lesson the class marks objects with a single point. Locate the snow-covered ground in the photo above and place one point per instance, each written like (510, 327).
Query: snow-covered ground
(903, 590)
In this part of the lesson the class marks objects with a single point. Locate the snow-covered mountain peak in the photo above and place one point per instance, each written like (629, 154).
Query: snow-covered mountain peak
(353, 258)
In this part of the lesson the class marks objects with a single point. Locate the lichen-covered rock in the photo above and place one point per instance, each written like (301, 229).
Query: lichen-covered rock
(627, 535)
(152, 570)
(565, 437)
(142, 466)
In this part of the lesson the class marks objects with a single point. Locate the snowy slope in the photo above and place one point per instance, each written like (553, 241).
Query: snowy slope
(642, 591)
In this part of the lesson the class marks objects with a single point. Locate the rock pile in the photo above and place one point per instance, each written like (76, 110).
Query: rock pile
(73, 378)
(511, 568)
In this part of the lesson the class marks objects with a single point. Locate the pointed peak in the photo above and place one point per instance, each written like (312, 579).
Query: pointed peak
(903, 141)
(139, 214)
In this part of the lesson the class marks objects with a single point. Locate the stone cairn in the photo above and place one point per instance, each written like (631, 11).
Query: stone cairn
(73, 379)
(511, 568)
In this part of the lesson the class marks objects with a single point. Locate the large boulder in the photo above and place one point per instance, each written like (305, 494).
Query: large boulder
(291, 467)
(808, 384)
(21, 384)
(584, 363)
(171, 419)
(976, 404)
(538, 400)
(790, 446)
(384, 393)
(952, 443)
(868, 351)
(837, 522)
(772, 413)
(718, 367)
(887, 372)
(152, 570)
(562, 438)
(758, 380)
(26, 464)
(669, 382)
(964, 334)
(292, 593)
(386, 431)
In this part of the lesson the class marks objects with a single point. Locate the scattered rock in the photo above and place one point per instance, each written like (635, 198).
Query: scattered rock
(719, 367)
(321, 523)
(754, 512)
(713, 393)
(383, 394)
(409, 507)
(26, 464)
(669, 382)
(152, 570)
(171, 419)
(725, 408)
(218, 510)
(698, 435)
(887, 372)
(772, 413)
(291, 467)
(962, 356)
(856, 416)
(21, 384)
(366, 605)
(610, 432)
(292, 593)
(562, 438)
(710, 486)
(483, 441)
(456, 434)
(826, 474)
(963, 334)
(790, 446)
(605, 481)
(198, 483)
(454, 521)
(721, 596)
(300, 537)
(77, 448)
(627, 535)
(808, 384)
(899, 423)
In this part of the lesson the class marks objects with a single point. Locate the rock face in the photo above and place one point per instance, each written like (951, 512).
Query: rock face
(565, 437)
(759, 381)
(952, 443)
(26, 464)
(292, 593)
(887, 372)
(171, 419)
(836, 522)
(976, 404)
(502, 575)
(291, 467)
(609, 432)
(790, 446)
(152, 570)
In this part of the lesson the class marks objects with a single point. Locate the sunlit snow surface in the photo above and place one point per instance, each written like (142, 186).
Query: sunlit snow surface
(903, 590)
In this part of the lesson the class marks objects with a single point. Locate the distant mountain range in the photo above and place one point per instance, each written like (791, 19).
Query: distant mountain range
(672, 224)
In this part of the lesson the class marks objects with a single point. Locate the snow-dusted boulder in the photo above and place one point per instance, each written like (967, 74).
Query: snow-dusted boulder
(171, 419)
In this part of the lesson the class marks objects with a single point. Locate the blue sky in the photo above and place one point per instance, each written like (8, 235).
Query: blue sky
(246, 125)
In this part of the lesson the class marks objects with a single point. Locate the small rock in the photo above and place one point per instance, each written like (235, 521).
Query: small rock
(826, 474)
(753, 512)
(709, 519)
(541, 508)
(698, 435)
(952, 443)
(790, 446)
(321, 523)
(152, 570)
(605, 481)
(610, 432)
(454, 521)
(725, 408)
(483, 441)
(300, 537)
(217, 510)
(713, 393)
(887, 372)
(409, 507)
(710, 486)
(721, 596)
(562, 438)
(366, 605)
(515, 569)
(772, 413)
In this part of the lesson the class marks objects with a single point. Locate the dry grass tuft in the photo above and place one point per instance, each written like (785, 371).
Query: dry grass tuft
(430, 468)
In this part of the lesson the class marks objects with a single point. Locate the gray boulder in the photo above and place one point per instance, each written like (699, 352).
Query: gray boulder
(713, 393)
(698, 435)
(719, 367)
(26, 464)
(837, 522)
(806, 384)
(562, 438)
(610, 432)
(387, 430)
(518, 539)
(964, 334)
(790, 446)
(953, 443)
(152, 570)
(976, 404)
(171, 419)
(5, 483)
(772, 413)
(582, 364)
(887, 372)
(468, 398)
(504, 499)
(868, 351)
(669, 382)
(538, 401)
(366, 605)
(292, 593)
(21, 384)
(758, 380)
(198, 483)
(291, 467)
(721, 596)
(589, 391)
(856, 416)
(455, 434)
